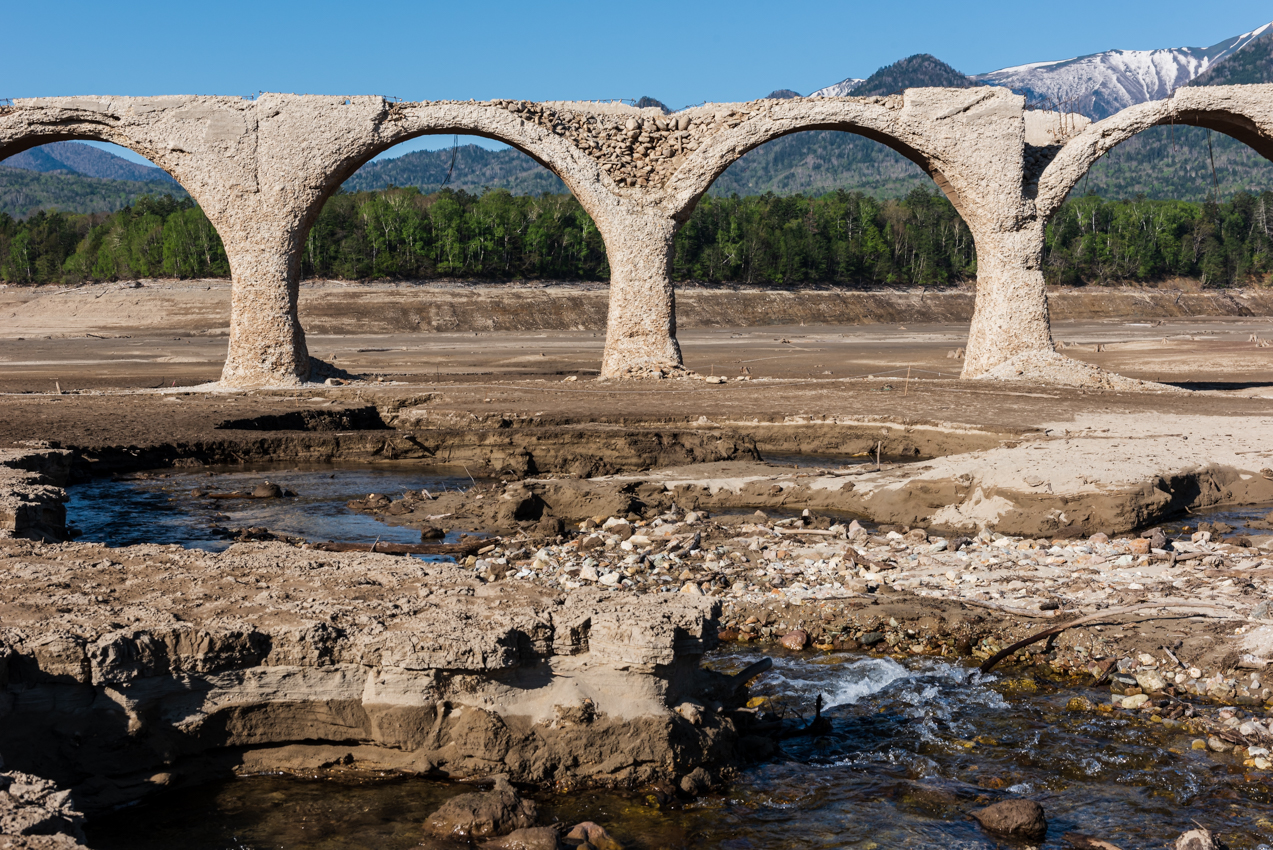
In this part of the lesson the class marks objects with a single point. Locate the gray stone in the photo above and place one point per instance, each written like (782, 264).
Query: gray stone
(1019, 819)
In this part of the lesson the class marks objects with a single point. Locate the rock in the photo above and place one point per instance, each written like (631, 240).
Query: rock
(1217, 746)
(1157, 539)
(692, 517)
(1197, 839)
(532, 838)
(1151, 681)
(591, 833)
(1098, 537)
(483, 813)
(871, 638)
(1135, 701)
(697, 782)
(610, 579)
(796, 640)
(549, 526)
(1079, 704)
(1020, 819)
(31, 806)
(1140, 546)
(267, 491)
(432, 532)
(692, 589)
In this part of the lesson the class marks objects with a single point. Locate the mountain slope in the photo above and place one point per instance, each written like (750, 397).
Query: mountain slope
(23, 191)
(1252, 64)
(915, 71)
(475, 169)
(86, 160)
(1100, 84)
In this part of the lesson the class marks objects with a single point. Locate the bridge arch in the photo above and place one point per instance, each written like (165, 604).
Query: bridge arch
(1244, 113)
(873, 119)
(24, 127)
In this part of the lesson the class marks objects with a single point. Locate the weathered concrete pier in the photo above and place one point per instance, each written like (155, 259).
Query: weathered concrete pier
(261, 170)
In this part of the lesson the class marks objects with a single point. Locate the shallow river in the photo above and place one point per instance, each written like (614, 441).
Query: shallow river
(166, 507)
(915, 745)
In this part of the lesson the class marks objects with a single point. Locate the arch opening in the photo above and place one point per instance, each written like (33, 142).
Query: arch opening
(429, 214)
(1217, 234)
(810, 218)
(72, 212)
(867, 155)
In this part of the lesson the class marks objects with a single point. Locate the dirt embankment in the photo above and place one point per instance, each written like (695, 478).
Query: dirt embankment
(329, 307)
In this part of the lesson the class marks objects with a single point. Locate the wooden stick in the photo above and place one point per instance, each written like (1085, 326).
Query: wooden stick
(989, 663)
(1078, 841)
(463, 548)
(907, 386)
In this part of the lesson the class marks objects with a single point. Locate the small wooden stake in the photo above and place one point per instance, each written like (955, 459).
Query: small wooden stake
(907, 386)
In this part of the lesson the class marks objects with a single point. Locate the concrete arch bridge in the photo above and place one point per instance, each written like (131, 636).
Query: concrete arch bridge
(261, 170)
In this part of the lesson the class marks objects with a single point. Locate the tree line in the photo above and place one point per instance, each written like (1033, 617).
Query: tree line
(841, 238)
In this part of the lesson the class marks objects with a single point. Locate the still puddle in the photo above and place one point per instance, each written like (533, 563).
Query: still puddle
(914, 746)
(1242, 521)
(804, 461)
(177, 507)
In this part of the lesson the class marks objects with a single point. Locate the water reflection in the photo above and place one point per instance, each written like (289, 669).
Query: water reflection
(175, 508)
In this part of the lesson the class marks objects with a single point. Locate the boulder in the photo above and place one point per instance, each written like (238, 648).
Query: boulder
(593, 834)
(267, 491)
(1019, 819)
(483, 813)
(796, 640)
(531, 838)
(697, 782)
(1198, 839)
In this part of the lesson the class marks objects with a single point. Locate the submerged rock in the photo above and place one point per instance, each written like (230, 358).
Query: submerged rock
(1198, 839)
(593, 835)
(1021, 819)
(531, 838)
(483, 813)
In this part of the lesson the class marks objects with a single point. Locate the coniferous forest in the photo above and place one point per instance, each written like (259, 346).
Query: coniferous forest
(840, 238)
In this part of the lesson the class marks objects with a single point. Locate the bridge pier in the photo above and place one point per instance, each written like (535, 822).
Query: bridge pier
(641, 318)
(267, 343)
(1011, 313)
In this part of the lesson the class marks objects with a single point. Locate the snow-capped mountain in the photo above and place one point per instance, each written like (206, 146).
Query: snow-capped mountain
(1103, 83)
(841, 89)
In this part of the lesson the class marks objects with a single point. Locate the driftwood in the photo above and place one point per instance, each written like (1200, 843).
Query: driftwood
(468, 546)
(1079, 841)
(750, 672)
(1200, 608)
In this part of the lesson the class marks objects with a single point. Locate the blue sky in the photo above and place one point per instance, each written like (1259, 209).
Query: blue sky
(679, 51)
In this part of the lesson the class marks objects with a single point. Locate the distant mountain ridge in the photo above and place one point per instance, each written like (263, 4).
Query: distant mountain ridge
(920, 70)
(1100, 84)
(24, 191)
(86, 160)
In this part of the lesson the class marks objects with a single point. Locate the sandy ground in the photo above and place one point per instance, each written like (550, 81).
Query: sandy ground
(147, 334)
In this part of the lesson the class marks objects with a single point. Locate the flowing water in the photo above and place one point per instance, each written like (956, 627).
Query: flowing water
(914, 746)
(175, 507)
